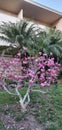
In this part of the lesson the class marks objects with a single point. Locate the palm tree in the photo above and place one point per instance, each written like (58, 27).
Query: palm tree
(50, 41)
(24, 34)
(19, 34)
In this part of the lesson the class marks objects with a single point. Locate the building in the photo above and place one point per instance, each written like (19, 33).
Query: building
(19, 9)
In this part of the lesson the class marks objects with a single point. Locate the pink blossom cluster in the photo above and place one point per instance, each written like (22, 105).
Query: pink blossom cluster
(41, 70)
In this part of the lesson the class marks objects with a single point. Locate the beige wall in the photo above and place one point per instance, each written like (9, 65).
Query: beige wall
(8, 13)
(6, 16)
(58, 25)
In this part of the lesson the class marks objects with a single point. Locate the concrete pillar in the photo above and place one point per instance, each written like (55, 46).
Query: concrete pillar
(20, 15)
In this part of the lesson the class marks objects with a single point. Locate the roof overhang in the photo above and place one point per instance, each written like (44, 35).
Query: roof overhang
(12, 6)
(31, 10)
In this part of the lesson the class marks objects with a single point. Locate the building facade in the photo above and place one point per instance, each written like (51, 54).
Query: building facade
(13, 10)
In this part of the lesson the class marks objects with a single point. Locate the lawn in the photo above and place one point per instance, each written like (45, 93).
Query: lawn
(44, 111)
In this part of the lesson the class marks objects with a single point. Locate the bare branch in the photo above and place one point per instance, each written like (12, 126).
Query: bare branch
(39, 91)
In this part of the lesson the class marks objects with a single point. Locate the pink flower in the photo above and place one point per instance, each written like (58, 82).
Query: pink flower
(53, 73)
(30, 89)
(40, 53)
(31, 82)
(50, 62)
(1, 84)
(42, 78)
(40, 70)
(42, 84)
(19, 54)
(47, 85)
(24, 48)
(44, 54)
(20, 86)
(24, 62)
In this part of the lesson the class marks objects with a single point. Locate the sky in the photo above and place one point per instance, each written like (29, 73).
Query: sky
(54, 4)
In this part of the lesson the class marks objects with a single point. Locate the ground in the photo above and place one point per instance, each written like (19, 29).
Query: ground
(20, 121)
(43, 113)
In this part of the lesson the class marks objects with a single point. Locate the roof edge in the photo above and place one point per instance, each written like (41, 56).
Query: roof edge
(44, 7)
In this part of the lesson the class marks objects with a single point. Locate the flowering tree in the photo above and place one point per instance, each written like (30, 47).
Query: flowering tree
(27, 71)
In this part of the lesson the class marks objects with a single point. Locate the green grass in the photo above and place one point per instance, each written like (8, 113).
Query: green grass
(46, 108)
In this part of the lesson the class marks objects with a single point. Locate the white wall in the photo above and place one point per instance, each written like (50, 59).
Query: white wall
(6, 18)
